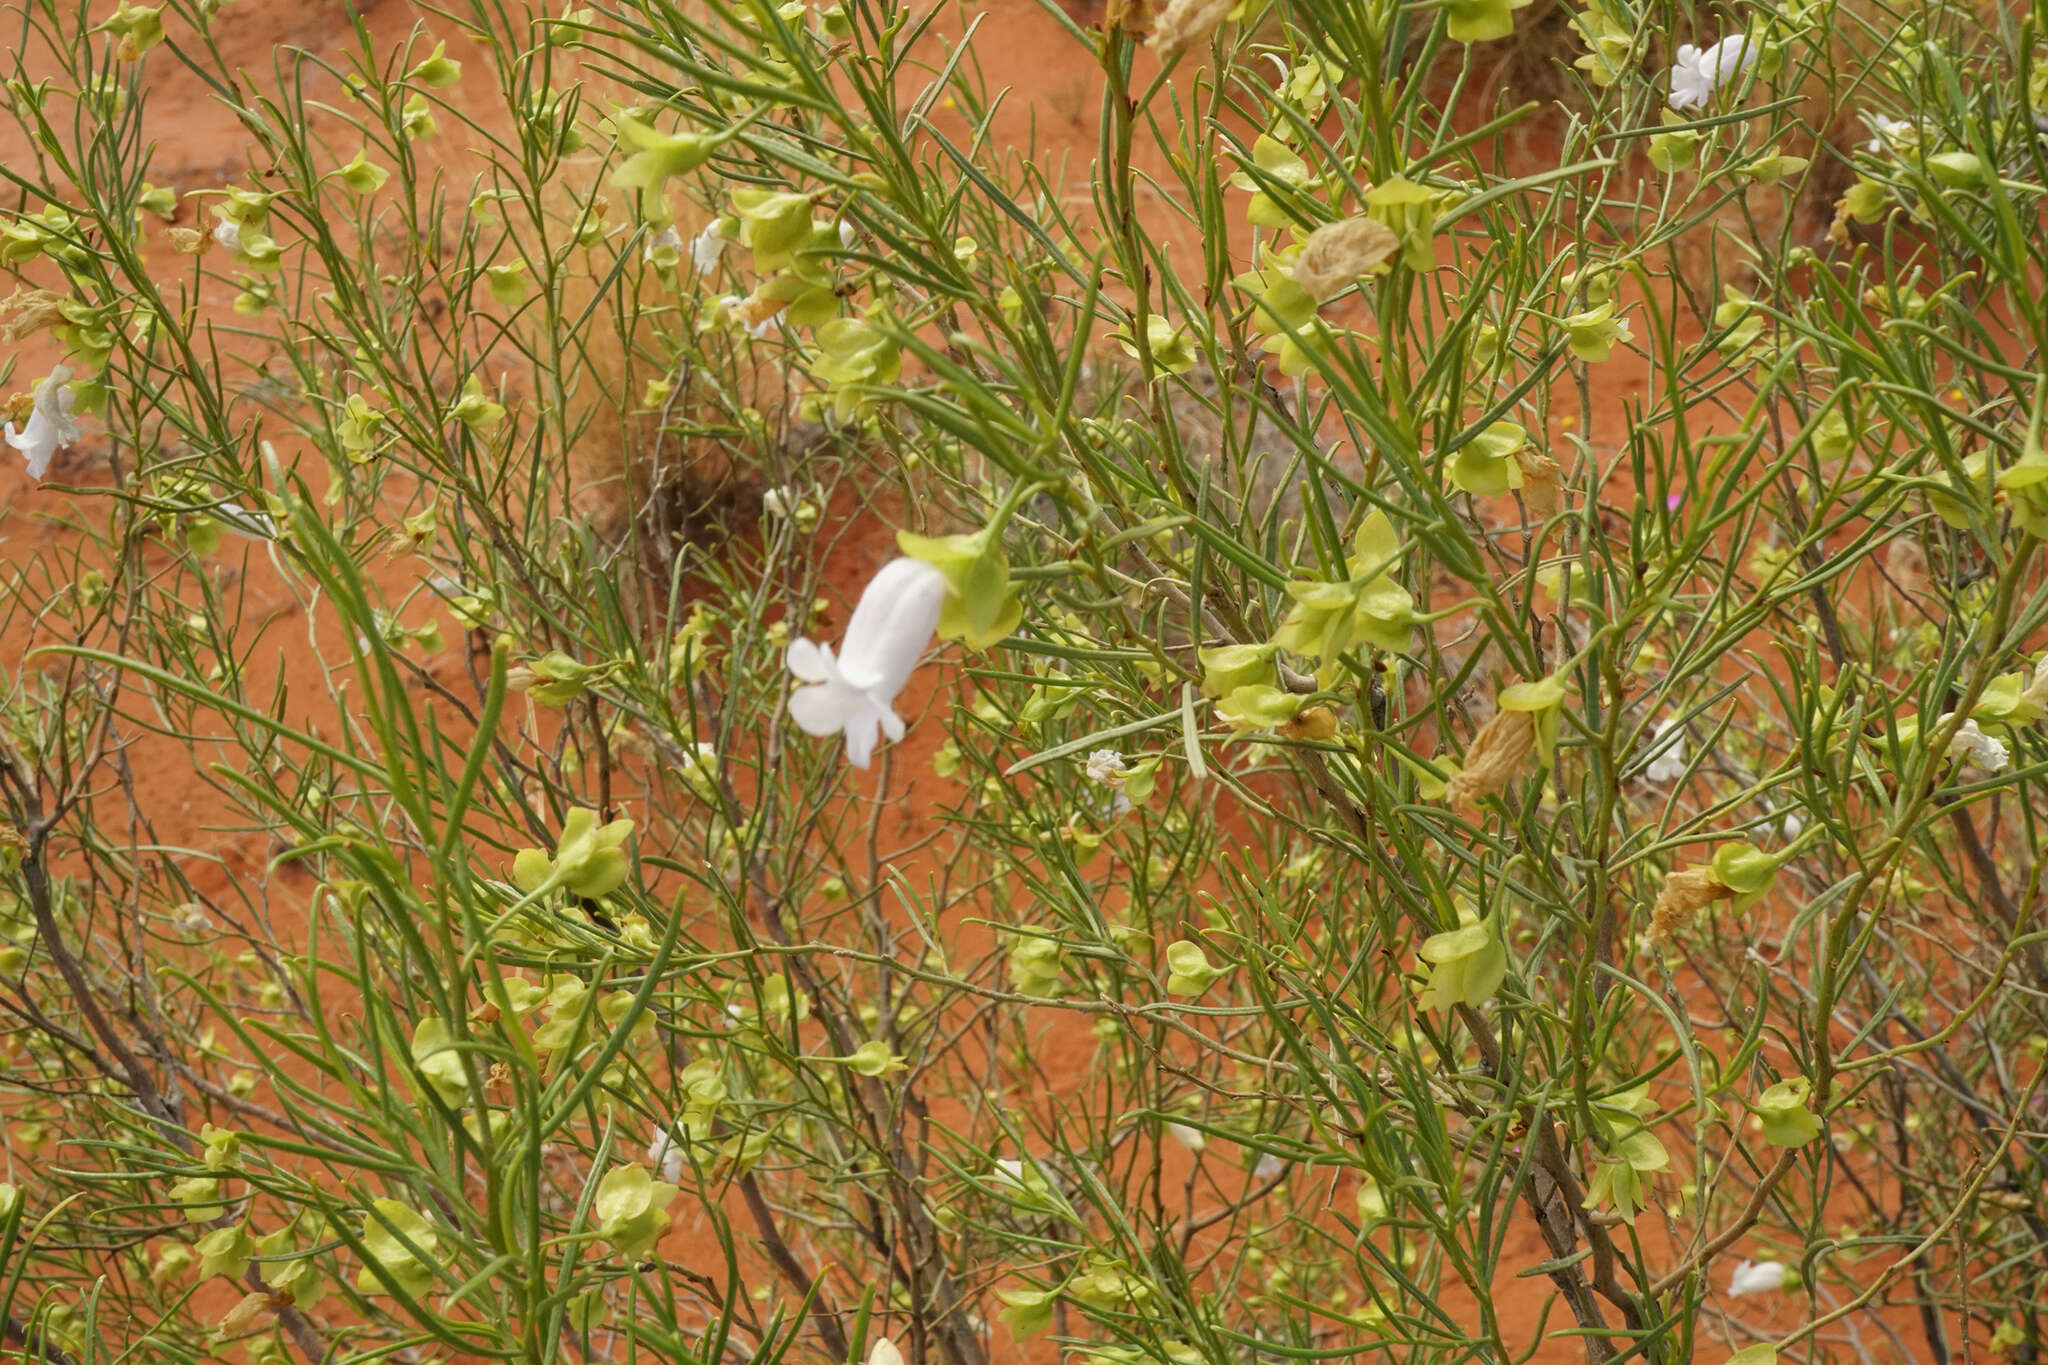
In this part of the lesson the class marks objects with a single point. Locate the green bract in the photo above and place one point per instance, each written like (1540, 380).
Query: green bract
(1188, 969)
(1486, 463)
(873, 1058)
(1608, 42)
(363, 175)
(773, 225)
(657, 157)
(1543, 700)
(589, 860)
(1330, 619)
(434, 1052)
(1173, 350)
(1275, 163)
(1467, 964)
(139, 27)
(475, 409)
(360, 428)
(438, 71)
(1746, 871)
(1592, 335)
(1410, 210)
(1257, 706)
(1225, 668)
(1285, 314)
(1027, 1312)
(225, 1252)
(401, 1248)
(1480, 21)
(1782, 1112)
(982, 606)
(630, 1210)
(852, 356)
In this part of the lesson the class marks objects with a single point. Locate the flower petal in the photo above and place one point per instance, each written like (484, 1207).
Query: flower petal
(822, 709)
(891, 626)
(861, 737)
(810, 661)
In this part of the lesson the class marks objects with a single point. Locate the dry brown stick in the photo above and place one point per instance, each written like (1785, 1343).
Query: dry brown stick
(1728, 1236)
(823, 1315)
(131, 1072)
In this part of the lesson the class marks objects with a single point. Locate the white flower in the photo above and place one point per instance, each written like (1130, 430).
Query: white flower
(1009, 1171)
(846, 234)
(706, 247)
(1667, 762)
(1700, 72)
(1977, 749)
(855, 694)
(1270, 1167)
(777, 502)
(49, 427)
(1194, 1139)
(661, 243)
(1890, 134)
(884, 1352)
(665, 1154)
(1756, 1277)
(1790, 827)
(1106, 766)
(229, 234)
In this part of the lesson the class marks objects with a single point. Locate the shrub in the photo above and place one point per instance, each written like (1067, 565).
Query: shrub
(1479, 769)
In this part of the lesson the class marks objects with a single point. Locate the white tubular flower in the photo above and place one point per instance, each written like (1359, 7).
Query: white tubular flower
(778, 502)
(49, 427)
(1668, 749)
(1106, 766)
(884, 1352)
(1979, 750)
(855, 694)
(1194, 1139)
(706, 248)
(1270, 1167)
(1756, 1277)
(1700, 72)
(665, 1154)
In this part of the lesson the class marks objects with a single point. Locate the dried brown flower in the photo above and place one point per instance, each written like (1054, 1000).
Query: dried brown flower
(244, 1314)
(1338, 253)
(1687, 891)
(1133, 17)
(1542, 481)
(1499, 751)
(754, 310)
(28, 311)
(187, 241)
(1187, 24)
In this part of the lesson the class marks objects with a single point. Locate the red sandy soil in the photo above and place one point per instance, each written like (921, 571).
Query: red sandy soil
(1053, 107)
